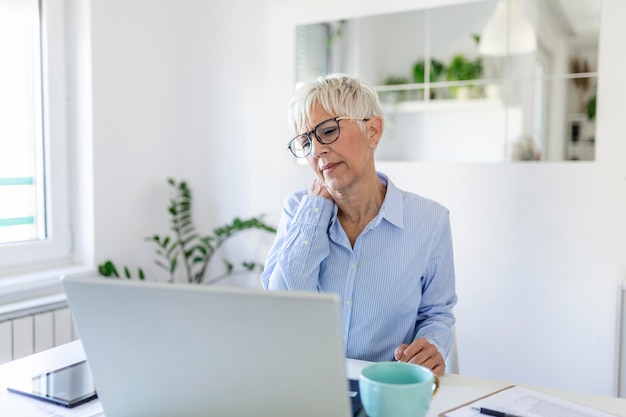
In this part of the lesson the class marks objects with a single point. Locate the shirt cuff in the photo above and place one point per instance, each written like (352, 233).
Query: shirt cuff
(314, 210)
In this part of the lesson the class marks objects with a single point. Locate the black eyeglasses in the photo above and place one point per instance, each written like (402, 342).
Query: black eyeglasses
(326, 133)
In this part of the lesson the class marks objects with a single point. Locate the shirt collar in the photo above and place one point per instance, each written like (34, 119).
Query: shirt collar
(392, 208)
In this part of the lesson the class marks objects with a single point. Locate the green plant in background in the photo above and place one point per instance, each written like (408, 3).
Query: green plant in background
(108, 269)
(394, 95)
(590, 107)
(336, 32)
(462, 68)
(187, 246)
(437, 68)
(395, 80)
(476, 38)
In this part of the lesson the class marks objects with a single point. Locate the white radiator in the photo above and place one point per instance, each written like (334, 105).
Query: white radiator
(34, 325)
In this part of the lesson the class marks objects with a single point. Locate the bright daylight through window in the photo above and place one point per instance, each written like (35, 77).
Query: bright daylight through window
(34, 225)
(22, 212)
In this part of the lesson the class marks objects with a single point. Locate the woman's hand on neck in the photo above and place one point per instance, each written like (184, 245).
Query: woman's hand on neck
(356, 203)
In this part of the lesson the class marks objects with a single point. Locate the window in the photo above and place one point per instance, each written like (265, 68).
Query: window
(34, 218)
(457, 86)
(313, 51)
(21, 142)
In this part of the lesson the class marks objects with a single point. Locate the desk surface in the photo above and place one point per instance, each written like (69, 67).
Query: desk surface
(455, 389)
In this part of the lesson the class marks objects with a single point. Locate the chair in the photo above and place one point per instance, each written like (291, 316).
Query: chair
(452, 361)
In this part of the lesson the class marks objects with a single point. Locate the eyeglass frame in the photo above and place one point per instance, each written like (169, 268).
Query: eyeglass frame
(314, 133)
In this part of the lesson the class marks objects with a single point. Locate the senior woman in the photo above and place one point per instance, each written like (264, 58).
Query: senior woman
(386, 252)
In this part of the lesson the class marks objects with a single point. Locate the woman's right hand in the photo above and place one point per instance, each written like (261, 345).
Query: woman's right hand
(318, 188)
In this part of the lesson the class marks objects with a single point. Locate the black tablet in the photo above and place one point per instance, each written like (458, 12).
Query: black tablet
(355, 396)
(68, 386)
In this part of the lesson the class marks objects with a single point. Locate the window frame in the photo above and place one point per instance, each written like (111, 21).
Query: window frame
(56, 250)
(307, 60)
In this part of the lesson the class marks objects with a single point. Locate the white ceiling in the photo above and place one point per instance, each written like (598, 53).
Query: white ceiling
(583, 16)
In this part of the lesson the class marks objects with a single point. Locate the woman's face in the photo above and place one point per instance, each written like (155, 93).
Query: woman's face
(342, 163)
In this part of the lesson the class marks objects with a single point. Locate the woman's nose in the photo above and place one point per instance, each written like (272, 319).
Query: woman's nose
(318, 148)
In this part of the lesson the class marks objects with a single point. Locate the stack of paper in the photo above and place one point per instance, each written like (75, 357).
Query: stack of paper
(523, 402)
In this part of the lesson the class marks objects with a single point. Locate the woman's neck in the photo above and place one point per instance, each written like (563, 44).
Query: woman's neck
(358, 207)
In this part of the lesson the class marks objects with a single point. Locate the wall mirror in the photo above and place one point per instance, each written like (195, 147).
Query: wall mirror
(479, 81)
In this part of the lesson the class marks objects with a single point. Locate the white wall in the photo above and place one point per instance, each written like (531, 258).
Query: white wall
(137, 122)
(198, 90)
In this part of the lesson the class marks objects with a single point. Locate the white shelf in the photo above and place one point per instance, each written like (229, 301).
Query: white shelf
(581, 149)
(476, 104)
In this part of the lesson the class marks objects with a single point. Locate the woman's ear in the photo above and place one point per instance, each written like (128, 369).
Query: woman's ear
(374, 130)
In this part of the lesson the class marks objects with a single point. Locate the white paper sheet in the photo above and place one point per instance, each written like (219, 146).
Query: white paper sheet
(524, 402)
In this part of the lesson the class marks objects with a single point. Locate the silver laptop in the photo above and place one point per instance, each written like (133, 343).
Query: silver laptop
(164, 350)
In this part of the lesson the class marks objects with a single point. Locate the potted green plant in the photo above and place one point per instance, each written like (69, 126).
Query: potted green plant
(590, 107)
(394, 96)
(437, 68)
(461, 68)
(188, 247)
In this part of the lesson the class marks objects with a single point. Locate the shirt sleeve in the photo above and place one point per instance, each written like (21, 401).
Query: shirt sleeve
(301, 245)
(435, 318)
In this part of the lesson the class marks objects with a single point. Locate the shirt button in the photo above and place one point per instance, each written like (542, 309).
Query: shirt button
(316, 210)
(305, 242)
(353, 266)
(347, 302)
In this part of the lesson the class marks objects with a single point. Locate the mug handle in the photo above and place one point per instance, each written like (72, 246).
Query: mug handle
(435, 385)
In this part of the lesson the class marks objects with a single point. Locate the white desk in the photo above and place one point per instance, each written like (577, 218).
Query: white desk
(455, 389)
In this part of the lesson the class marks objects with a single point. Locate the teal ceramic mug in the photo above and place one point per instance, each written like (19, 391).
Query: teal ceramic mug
(397, 389)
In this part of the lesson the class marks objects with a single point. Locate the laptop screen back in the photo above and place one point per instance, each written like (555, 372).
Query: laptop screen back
(159, 349)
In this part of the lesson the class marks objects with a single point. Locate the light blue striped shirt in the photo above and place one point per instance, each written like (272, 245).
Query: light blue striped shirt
(396, 285)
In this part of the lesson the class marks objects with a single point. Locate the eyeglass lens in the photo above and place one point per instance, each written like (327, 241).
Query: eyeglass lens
(326, 132)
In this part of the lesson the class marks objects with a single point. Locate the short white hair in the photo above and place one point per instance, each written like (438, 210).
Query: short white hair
(338, 94)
